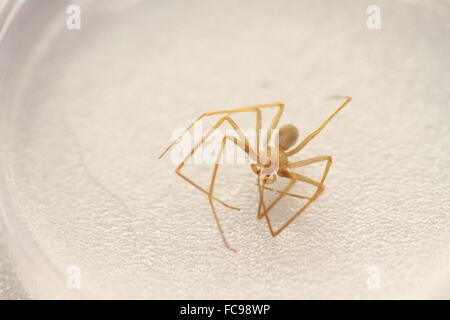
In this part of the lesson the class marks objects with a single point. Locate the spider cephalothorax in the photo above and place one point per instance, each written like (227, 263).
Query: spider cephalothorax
(273, 161)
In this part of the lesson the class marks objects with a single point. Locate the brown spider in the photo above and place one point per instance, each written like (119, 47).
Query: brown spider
(270, 163)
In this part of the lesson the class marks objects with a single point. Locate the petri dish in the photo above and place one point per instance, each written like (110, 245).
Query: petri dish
(90, 212)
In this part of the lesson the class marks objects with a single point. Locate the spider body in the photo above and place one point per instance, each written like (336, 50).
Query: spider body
(274, 162)
(270, 162)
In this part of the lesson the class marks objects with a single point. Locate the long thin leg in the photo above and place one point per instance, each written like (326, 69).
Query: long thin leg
(262, 204)
(294, 178)
(248, 109)
(218, 124)
(274, 123)
(262, 187)
(302, 144)
(288, 193)
(302, 163)
(246, 148)
(297, 164)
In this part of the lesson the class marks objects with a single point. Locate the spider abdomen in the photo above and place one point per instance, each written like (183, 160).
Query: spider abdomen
(288, 135)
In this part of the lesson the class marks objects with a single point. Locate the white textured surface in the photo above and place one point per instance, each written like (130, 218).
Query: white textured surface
(100, 105)
(10, 286)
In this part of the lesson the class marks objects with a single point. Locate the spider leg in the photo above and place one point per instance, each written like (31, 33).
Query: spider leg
(287, 193)
(246, 148)
(294, 178)
(275, 121)
(261, 198)
(297, 164)
(302, 144)
(207, 134)
(248, 109)
(302, 163)
(262, 204)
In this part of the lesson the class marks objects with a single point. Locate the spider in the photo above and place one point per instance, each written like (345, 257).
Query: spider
(270, 163)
